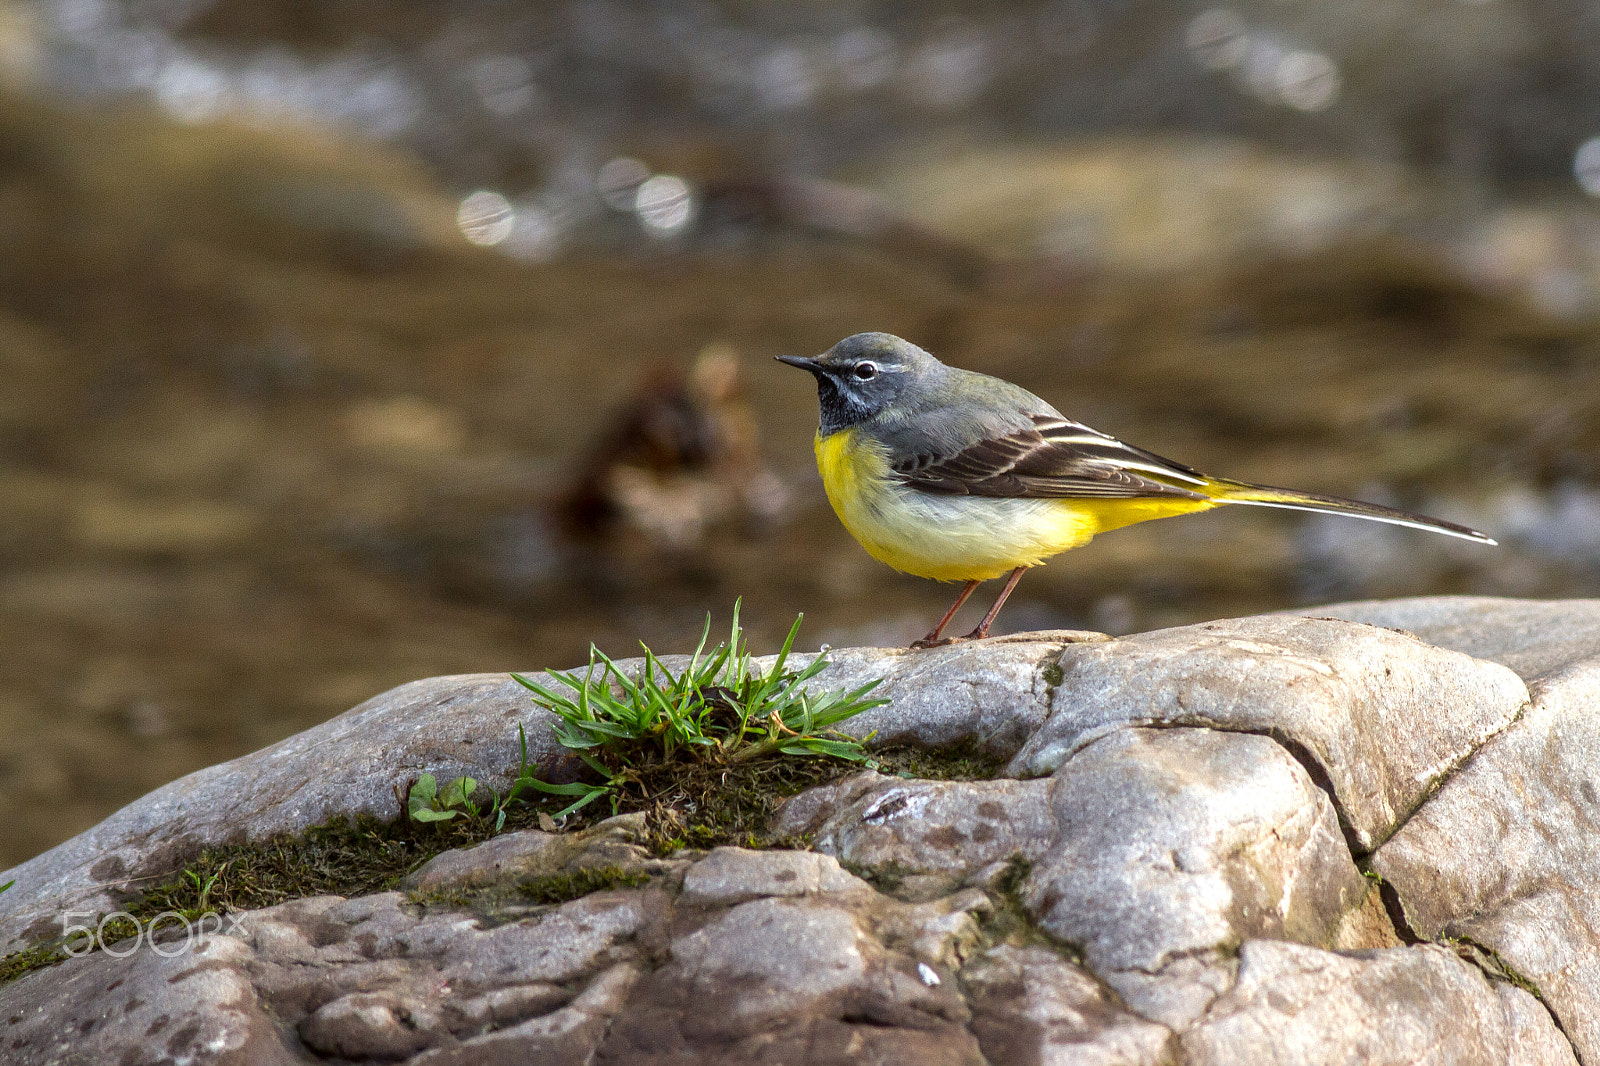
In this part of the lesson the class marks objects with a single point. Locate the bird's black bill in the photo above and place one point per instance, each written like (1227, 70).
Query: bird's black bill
(801, 361)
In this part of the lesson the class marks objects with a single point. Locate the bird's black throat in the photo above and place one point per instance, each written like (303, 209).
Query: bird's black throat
(841, 407)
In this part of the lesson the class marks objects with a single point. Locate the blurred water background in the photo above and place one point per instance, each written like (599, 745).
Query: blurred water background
(345, 342)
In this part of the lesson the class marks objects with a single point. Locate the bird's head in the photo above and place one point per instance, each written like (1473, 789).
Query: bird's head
(865, 375)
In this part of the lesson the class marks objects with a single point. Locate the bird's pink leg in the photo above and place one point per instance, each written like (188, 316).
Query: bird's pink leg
(988, 619)
(932, 639)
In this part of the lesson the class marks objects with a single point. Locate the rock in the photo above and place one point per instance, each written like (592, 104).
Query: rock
(522, 853)
(1507, 854)
(350, 766)
(1154, 852)
(767, 961)
(1504, 854)
(1030, 1005)
(922, 827)
(1401, 1006)
(734, 875)
(1175, 881)
(1380, 716)
(1536, 638)
(790, 978)
(566, 1037)
(793, 952)
(357, 979)
(527, 854)
(1532, 1038)
(1174, 846)
(371, 1025)
(988, 696)
(143, 1009)
(1147, 847)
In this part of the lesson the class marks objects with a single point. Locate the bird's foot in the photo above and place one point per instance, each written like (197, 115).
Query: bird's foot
(934, 642)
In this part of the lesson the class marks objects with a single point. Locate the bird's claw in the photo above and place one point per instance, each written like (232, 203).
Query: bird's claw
(927, 642)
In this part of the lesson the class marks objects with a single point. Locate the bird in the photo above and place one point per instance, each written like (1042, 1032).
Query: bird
(953, 475)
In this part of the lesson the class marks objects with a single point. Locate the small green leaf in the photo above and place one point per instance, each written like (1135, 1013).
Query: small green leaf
(456, 792)
(585, 801)
(423, 792)
(525, 683)
(572, 789)
(818, 746)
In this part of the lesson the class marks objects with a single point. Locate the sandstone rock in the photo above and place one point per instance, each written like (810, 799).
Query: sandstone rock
(734, 875)
(1536, 638)
(1381, 716)
(1507, 854)
(359, 979)
(520, 854)
(1532, 1038)
(566, 1037)
(527, 854)
(1173, 847)
(923, 827)
(988, 695)
(1031, 1006)
(372, 1025)
(1149, 847)
(1171, 884)
(793, 951)
(142, 1010)
(350, 765)
(1155, 852)
(1402, 1006)
(788, 976)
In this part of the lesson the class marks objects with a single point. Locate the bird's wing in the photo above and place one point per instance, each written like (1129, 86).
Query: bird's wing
(1054, 458)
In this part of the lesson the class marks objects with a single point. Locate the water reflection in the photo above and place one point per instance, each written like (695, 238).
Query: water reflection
(191, 91)
(536, 235)
(951, 71)
(277, 440)
(665, 204)
(486, 218)
(504, 83)
(1308, 81)
(1586, 166)
(618, 182)
(866, 58)
(1217, 39)
(835, 82)
(784, 80)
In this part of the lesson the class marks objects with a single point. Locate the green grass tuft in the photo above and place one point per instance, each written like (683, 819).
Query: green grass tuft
(722, 710)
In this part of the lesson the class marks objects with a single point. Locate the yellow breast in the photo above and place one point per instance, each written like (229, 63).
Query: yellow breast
(960, 538)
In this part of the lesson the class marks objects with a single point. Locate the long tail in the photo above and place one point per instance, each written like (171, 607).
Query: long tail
(1267, 496)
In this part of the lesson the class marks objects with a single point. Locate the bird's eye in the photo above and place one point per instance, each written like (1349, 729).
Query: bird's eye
(865, 371)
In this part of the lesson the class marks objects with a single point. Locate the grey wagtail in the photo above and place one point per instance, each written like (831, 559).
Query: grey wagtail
(957, 476)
